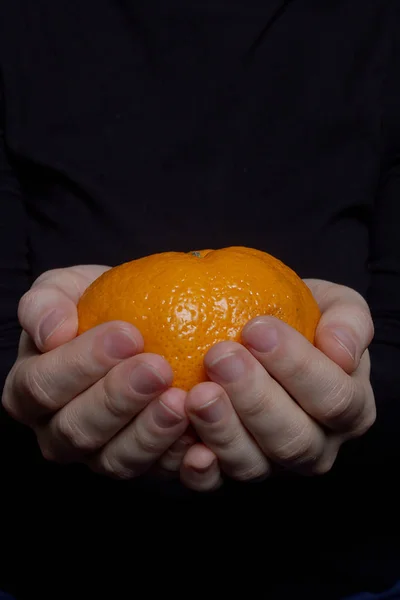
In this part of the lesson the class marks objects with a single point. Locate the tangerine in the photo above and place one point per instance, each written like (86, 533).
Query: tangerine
(185, 302)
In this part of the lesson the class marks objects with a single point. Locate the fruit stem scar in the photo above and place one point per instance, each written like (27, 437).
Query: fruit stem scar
(195, 253)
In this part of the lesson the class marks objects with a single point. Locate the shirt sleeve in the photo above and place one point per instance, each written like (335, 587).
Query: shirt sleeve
(381, 446)
(14, 280)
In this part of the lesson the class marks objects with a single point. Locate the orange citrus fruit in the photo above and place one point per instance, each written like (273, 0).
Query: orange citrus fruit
(185, 302)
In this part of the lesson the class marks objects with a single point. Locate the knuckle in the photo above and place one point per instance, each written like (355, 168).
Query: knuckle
(111, 467)
(82, 364)
(113, 403)
(363, 322)
(255, 472)
(365, 365)
(368, 324)
(357, 298)
(365, 424)
(25, 303)
(71, 434)
(322, 467)
(85, 364)
(46, 276)
(369, 420)
(33, 383)
(229, 438)
(343, 403)
(300, 449)
(255, 408)
(359, 314)
(363, 304)
(300, 368)
(47, 445)
(147, 443)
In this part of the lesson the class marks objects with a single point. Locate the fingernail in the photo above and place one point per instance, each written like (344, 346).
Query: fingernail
(346, 341)
(212, 411)
(204, 468)
(228, 368)
(146, 380)
(261, 337)
(119, 344)
(165, 417)
(51, 323)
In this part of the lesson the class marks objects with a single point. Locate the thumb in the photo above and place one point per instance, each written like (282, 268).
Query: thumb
(48, 311)
(346, 328)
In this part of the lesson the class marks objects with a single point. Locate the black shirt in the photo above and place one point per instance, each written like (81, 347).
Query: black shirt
(129, 128)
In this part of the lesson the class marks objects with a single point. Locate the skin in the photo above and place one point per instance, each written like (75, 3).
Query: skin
(275, 401)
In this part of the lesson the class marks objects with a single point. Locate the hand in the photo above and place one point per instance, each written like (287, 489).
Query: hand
(281, 401)
(97, 398)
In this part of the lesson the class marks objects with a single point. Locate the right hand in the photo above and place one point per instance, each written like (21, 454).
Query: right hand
(96, 398)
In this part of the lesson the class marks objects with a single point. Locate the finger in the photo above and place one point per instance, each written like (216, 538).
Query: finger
(89, 421)
(200, 470)
(285, 433)
(318, 384)
(215, 420)
(362, 378)
(26, 347)
(138, 447)
(170, 462)
(43, 384)
(346, 328)
(47, 312)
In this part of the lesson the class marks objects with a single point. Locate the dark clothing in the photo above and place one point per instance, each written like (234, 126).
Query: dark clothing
(392, 594)
(136, 127)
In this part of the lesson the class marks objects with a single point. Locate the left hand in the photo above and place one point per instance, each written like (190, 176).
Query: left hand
(279, 399)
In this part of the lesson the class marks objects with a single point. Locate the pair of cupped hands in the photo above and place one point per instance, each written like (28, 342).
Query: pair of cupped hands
(273, 402)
